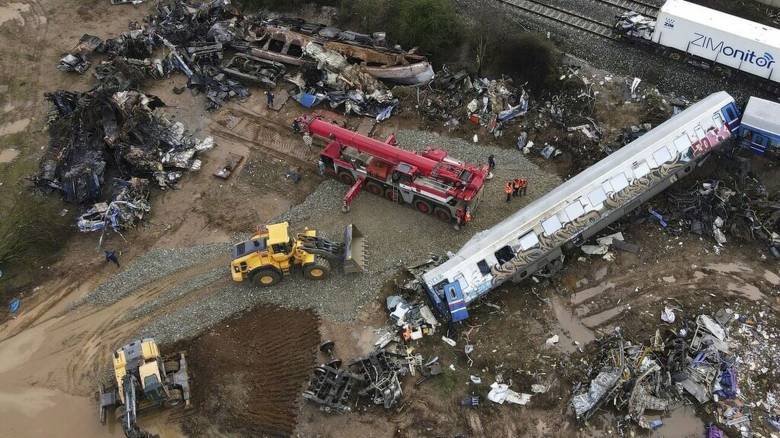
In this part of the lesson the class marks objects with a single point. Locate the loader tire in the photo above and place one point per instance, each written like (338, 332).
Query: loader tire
(266, 277)
(318, 269)
(176, 398)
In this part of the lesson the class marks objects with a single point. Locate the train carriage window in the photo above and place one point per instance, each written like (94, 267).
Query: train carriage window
(529, 241)
(699, 131)
(483, 267)
(597, 196)
(619, 182)
(607, 187)
(574, 210)
(504, 255)
(641, 169)
(551, 225)
(682, 143)
(718, 120)
(662, 155)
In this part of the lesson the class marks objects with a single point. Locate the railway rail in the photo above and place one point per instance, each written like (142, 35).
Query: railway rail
(566, 17)
(640, 6)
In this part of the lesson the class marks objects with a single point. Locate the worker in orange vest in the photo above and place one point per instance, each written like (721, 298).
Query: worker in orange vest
(508, 191)
(523, 186)
(515, 187)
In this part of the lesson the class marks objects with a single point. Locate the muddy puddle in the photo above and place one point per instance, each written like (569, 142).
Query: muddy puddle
(728, 268)
(772, 278)
(587, 294)
(680, 423)
(8, 155)
(13, 12)
(573, 329)
(14, 127)
(747, 290)
(603, 317)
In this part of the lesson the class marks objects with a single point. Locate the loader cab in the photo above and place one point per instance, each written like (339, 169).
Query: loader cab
(279, 241)
(151, 382)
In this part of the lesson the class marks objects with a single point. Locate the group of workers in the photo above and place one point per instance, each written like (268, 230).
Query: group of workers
(514, 188)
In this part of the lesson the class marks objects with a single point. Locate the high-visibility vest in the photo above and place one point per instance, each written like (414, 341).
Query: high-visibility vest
(508, 188)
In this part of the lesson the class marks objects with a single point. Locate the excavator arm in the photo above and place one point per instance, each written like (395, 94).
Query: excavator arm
(129, 418)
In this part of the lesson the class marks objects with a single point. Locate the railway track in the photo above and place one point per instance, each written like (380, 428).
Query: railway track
(640, 6)
(566, 17)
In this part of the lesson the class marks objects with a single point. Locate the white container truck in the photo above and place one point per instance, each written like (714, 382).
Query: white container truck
(712, 35)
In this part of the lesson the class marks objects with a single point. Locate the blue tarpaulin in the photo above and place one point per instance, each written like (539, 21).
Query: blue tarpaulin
(307, 100)
(14, 305)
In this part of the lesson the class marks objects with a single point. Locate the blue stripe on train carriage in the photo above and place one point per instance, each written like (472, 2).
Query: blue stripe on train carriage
(457, 305)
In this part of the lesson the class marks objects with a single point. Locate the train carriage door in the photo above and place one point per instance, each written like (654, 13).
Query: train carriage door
(457, 305)
(732, 116)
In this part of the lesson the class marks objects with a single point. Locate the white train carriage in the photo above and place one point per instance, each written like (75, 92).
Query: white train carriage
(531, 240)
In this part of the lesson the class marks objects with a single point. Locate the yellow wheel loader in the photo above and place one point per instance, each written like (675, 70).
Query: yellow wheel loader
(141, 379)
(271, 254)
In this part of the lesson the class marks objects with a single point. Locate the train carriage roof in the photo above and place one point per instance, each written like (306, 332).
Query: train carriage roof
(538, 210)
(762, 114)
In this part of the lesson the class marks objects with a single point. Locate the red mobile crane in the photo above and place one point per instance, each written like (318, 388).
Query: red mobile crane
(431, 182)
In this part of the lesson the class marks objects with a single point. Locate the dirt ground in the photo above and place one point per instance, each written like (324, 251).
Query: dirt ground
(248, 371)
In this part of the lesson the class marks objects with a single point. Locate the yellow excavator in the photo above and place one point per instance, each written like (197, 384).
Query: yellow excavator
(142, 379)
(271, 254)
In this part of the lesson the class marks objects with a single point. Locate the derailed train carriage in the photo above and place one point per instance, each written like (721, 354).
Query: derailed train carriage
(531, 241)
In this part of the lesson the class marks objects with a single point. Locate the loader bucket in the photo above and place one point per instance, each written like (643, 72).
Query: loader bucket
(355, 251)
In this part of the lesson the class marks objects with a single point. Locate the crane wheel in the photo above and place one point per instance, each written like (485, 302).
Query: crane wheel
(346, 177)
(442, 214)
(422, 206)
(318, 269)
(266, 277)
(374, 189)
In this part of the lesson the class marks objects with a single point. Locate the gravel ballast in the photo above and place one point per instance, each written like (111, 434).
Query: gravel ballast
(397, 235)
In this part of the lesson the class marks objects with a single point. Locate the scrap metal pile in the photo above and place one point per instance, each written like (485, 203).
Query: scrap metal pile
(101, 133)
(375, 377)
(740, 207)
(481, 101)
(711, 362)
(223, 52)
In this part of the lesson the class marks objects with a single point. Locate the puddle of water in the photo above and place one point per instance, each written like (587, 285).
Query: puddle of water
(698, 275)
(600, 318)
(587, 294)
(573, 328)
(728, 268)
(8, 155)
(669, 279)
(747, 290)
(681, 422)
(772, 278)
(14, 127)
(13, 12)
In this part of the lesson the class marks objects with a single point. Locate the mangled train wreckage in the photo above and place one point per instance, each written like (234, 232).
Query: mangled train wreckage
(285, 40)
(530, 242)
(118, 134)
(198, 40)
